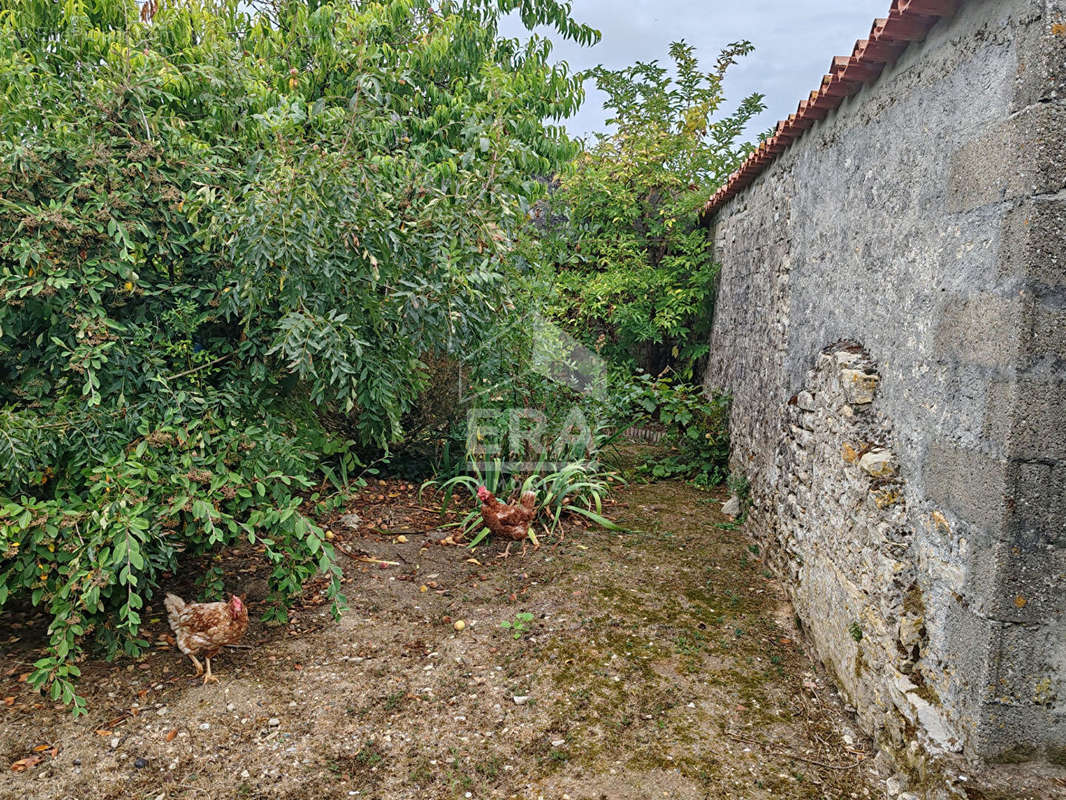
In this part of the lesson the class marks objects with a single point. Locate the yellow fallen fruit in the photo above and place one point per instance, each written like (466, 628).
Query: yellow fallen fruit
(401, 539)
(423, 588)
(459, 625)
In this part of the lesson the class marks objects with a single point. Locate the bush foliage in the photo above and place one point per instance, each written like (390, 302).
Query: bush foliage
(696, 427)
(229, 242)
(633, 266)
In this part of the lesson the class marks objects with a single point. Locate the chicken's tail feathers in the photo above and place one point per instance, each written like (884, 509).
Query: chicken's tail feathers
(528, 500)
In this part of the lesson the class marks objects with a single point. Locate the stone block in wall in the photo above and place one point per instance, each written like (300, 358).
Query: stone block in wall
(997, 425)
(859, 386)
(1056, 505)
(1025, 419)
(1010, 733)
(982, 328)
(1046, 339)
(1022, 672)
(1021, 156)
(1041, 76)
(1037, 421)
(1039, 508)
(970, 483)
(1032, 241)
(879, 463)
(1018, 582)
(925, 712)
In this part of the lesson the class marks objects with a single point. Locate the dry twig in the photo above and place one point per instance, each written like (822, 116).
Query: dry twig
(794, 756)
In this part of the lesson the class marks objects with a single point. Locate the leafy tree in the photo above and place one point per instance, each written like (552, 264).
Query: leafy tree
(229, 242)
(634, 273)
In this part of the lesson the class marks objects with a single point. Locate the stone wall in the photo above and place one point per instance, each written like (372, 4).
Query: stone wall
(891, 325)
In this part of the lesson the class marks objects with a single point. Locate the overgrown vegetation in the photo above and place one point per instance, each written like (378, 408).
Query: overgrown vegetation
(696, 426)
(632, 265)
(229, 242)
(246, 255)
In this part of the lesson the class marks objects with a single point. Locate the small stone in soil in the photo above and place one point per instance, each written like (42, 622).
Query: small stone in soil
(140, 763)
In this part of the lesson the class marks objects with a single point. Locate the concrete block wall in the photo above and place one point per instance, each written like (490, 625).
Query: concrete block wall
(921, 227)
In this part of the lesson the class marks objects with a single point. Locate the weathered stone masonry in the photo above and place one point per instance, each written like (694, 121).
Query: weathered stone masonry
(891, 325)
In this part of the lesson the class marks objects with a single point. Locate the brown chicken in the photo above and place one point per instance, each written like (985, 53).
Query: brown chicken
(509, 520)
(206, 627)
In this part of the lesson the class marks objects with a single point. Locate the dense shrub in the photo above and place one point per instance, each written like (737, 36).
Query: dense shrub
(633, 267)
(229, 241)
(696, 428)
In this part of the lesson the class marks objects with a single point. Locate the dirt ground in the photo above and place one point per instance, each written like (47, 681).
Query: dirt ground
(655, 664)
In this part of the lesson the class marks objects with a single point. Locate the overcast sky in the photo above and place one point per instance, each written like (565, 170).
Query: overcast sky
(795, 41)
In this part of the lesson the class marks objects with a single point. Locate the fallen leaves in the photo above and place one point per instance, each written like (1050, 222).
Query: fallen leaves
(25, 763)
(39, 752)
(166, 640)
(171, 734)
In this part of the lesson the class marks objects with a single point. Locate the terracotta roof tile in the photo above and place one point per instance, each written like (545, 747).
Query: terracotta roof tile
(907, 21)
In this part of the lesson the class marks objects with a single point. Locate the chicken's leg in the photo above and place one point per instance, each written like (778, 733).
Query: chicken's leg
(506, 552)
(199, 666)
(209, 678)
